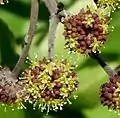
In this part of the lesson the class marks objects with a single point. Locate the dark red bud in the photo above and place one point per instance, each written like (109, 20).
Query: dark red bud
(47, 98)
(57, 92)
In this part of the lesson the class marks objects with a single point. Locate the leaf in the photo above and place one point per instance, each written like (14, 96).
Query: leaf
(11, 114)
(100, 112)
(8, 55)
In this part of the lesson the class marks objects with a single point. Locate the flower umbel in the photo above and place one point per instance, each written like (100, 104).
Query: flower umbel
(3, 1)
(49, 84)
(85, 32)
(110, 93)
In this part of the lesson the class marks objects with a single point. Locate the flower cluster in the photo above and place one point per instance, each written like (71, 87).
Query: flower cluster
(85, 32)
(3, 1)
(10, 89)
(110, 93)
(109, 3)
(48, 84)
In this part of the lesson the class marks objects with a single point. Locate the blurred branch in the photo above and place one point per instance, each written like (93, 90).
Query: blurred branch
(103, 64)
(28, 37)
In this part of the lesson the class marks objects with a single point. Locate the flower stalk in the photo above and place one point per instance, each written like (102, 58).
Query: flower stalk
(28, 37)
(103, 64)
(53, 22)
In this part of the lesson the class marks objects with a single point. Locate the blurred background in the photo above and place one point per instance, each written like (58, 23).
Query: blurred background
(14, 21)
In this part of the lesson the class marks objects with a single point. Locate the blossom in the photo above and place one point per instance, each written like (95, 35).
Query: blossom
(110, 93)
(11, 89)
(85, 32)
(49, 84)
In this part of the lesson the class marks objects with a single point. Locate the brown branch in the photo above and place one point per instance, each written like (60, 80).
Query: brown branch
(53, 22)
(52, 30)
(28, 38)
(51, 5)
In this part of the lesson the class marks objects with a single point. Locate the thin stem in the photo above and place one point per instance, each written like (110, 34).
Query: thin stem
(28, 37)
(52, 30)
(53, 22)
(103, 64)
(51, 5)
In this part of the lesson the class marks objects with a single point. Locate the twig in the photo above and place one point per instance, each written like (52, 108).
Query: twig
(53, 22)
(28, 38)
(51, 5)
(52, 30)
(103, 64)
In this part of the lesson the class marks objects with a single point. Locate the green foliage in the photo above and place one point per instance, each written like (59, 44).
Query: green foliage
(14, 20)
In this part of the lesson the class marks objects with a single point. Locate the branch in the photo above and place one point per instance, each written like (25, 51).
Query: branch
(28, 37)
(51, 5)
(52, 30)
(103, 64)
(53, 22)
(56, 14)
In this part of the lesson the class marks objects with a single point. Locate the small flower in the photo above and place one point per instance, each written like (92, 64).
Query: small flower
(48, 84)
(109, 3)
(85, 32)
(10, 89)
(3, 1)
(110, 93)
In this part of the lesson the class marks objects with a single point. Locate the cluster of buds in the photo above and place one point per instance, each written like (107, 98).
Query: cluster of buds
(110, 93)
(109, 3)
(48, 84)
(3, 1)
(10, 89)
(85, 32)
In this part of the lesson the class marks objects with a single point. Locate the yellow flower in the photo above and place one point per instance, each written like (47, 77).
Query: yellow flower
(86, 31)
(48, 85)
(109, 3)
